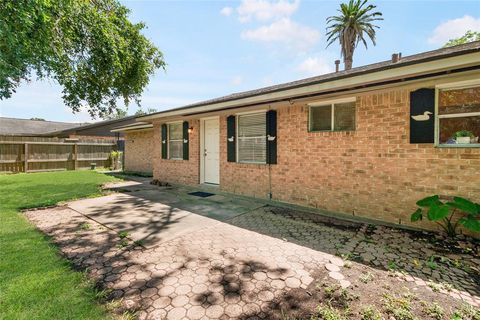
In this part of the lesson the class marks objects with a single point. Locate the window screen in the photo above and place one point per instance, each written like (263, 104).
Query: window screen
(175, 141)
(343, 118)
(252, 145)
(459, 116)
(321, 118)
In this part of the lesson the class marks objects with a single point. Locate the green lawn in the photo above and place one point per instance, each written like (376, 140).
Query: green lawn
(35, 282)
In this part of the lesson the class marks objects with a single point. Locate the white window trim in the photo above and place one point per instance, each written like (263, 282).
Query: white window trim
(237, 130)
(168, 140)
(331, 101)
(332, 104)
(453, 86)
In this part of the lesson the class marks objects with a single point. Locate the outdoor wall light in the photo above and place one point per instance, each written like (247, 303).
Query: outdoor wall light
(190, 130)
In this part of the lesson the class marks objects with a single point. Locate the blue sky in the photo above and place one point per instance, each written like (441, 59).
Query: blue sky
(214, 48)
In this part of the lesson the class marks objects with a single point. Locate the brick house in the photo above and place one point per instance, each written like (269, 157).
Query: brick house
(367, 142)
(138, 155)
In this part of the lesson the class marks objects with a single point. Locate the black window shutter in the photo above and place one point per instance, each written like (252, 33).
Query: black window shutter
(272, 137)
(231, 143)
(422, 116)
(185, 140)
(164, 142)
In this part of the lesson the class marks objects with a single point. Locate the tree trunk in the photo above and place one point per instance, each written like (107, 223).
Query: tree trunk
(348, 62)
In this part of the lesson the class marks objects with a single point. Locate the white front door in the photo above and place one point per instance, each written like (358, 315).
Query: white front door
(211, 152)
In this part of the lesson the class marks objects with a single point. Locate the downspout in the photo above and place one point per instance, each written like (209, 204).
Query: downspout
(270, 172)
(269, 181)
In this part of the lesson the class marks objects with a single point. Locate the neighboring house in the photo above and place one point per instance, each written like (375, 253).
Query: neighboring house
(98, 130)
(26, 127)
(368, 142)
(138, 155)
(101, 130)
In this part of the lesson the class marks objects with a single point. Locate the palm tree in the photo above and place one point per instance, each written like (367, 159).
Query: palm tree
(355, 20)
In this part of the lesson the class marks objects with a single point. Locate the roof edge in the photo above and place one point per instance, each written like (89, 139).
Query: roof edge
(425, 57)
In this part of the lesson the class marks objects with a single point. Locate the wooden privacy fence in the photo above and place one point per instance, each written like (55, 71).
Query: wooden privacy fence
(34, 156)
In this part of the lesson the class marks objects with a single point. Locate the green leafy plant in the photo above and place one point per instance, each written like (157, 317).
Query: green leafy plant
(442, 213)
(123, 234)
(123, 243)
(115, 157)
(466, 311)
(329, 313)
(138, 243)
(431, 263)
(370, 313)
(435, 311)
(392, 266)
(464, 133)
(85, 226)
(469, 36)
(399, 306)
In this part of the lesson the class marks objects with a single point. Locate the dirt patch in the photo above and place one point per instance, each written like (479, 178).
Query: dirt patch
(373, 294)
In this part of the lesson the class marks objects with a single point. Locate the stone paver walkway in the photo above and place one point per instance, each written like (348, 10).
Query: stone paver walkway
(218, 272)
(421, 258)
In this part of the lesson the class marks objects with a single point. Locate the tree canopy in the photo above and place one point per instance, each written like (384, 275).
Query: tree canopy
(141, 112)
(354, 23)
(122, 113)
(116, 114)
(469, 36)
(89, 47)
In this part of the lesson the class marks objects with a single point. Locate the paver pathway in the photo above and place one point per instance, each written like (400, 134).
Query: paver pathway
(220, 271)
(420, 257)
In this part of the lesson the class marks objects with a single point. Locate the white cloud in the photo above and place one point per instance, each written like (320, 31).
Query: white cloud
(264, 10)
(285, 31)
(237, 80)
(314, 66)
(227, 11)
(453, 29)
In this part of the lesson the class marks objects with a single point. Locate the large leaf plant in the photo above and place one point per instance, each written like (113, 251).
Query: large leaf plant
(443, 212)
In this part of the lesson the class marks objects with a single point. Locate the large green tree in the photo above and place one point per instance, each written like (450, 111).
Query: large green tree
(469, 36)
(89, 47)
(354, 23)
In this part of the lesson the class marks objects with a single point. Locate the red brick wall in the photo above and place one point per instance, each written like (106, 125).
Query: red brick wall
(138, 151)
(371, 172)
(177, 171)
(246, 179)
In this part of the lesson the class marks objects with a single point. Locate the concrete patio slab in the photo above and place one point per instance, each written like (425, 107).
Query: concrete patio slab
(152, 214)
(147, 221)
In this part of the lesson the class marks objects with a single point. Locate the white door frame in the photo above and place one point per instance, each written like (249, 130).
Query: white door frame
(202, 145)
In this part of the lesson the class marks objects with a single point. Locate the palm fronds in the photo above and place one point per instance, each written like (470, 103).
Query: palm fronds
(353, 24)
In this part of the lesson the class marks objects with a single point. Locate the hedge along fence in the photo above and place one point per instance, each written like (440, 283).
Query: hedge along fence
(35, 156)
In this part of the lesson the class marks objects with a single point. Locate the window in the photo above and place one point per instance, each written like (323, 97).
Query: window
(337, 116)
(251, 138)
(458, 115)
(175, 141)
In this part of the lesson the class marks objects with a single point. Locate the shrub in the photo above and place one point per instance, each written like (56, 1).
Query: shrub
(115, 157)
(442, 212)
